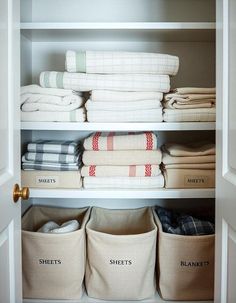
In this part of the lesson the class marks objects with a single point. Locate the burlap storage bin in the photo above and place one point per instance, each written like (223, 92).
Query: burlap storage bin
(121, 250)
(53, 264)
(185, 266)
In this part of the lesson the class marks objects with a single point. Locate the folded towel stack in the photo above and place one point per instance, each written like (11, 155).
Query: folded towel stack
(48, 104)
(52, 164)
(114, 160)
(189, 166)
(190, 104)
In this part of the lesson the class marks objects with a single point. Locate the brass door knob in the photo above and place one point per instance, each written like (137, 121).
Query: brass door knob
(22, 193)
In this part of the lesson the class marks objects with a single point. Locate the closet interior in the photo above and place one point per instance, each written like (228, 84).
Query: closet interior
(185, 28)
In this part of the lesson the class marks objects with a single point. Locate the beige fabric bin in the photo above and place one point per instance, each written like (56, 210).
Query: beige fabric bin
(121, 246)
(53, 264)
(185, 266)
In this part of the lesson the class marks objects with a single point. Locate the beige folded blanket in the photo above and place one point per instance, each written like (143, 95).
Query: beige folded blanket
(168, 159)
(189, 178)
(190, 115)
(121, 141)
(119, 96)
(121, 171)
(132, 157)
(190, 166)
(147, 115)
(124, 182)
(189, 150)
(195, 90)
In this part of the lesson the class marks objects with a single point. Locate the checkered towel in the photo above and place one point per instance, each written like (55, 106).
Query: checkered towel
(183, 224)
(31, 165)
(48, 157)
(53, 146)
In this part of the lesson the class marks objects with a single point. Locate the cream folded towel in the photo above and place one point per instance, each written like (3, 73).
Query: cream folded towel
(168, 159)
(132, 157)
(147, 115)
(121, 171)
(190, 150)
(52, 227)
(119, 96)
(191, 166)
(124, 182)
(190, 115)
(121, 141)
(122, 106)
(195, 90)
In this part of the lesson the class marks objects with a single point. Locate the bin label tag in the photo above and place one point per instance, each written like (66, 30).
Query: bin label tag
(49, 262)
(194, 263)
(47, 180)
(120, 262)
(195, 180)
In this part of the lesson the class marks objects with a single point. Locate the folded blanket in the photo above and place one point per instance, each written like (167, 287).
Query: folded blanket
(77, 115)
(52, 227)
(190, 166)
(50, 157)
(107, 62)
(51, 179)
(123, 182)
(121, 141)
(168, 159)
(122, 157)
(195, 90)
(121, 171)
(114, 96)
(183, 224)
(53, 146)
(189, 178)
(47, 166)
(148, 115)
(88, 82)
(122, 106)
(189, 150)
(190, 115)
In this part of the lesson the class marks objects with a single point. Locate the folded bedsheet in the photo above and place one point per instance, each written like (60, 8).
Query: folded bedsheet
(51, 157)
(77, 115)
(148, 115)
(190, 166)
(121, 141)
(121, 171)
(190, 150)
(189, 178)
(190, 115)
(119, 96)
(123, 106)
(108, 62)
(131, 157)
(51, 179)
(53, 146)
(118, 82)
(168, 159)
(123, 182)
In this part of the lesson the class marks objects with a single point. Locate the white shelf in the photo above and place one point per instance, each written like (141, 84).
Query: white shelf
(118, 31)
(86, 126)
(122, 194)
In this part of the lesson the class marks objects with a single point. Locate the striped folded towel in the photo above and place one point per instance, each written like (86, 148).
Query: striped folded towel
(121, 141)
(31, 165)
(53, 146)
(118, 82)
(108, 62)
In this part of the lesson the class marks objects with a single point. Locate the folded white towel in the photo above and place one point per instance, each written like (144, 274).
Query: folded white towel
(77, 115)
(119, 96)
(36, 89)
(147, 115)
(122, 106)
(190, 115)
(52, 227)
(109, 62)
(124, 182)
(117, 82)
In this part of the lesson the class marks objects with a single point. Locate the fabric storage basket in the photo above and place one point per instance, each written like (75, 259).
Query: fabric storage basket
(53, 264)
(185, 266)
(121, 250)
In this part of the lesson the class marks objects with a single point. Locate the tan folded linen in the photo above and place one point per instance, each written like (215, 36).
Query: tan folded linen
(173, 104)
(121, 141)
(122, 157)
(119, 96)
(191, 166)
(167, 159)
(190, 115)
(121, 171)
(190, 150)
(51, 179)
(189, 178)
(195, 90)
(124, 182)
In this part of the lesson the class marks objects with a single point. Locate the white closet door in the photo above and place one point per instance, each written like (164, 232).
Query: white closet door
(10, 213)
(225, 290)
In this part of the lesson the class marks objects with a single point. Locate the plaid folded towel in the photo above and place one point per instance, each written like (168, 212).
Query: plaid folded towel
(53, 146)
(183, 224)
(49, 157)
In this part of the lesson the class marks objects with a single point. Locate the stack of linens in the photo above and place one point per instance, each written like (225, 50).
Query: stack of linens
(113, 160)
(189, 166)
(190, 104)
(48, 104)
(52, 164)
